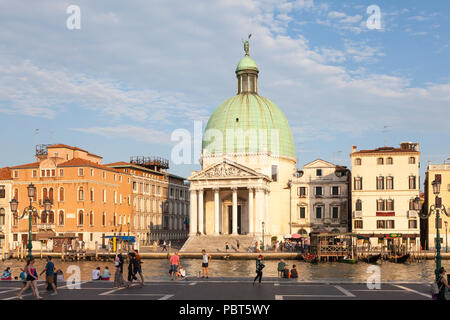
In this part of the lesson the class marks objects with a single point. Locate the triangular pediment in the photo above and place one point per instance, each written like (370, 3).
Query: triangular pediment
(227, 169)
(319, 163)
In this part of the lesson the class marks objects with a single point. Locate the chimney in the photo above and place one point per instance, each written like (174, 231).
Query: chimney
(354, 149)
(416, 146)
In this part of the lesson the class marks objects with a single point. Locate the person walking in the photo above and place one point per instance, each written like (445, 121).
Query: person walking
(280, 268)
(132, 268)
(442, 284)
(227, 246)
(259, 267)
(205, 262)
(164, 246)
(174, 263)
(31, 279)
(50, 274)
(139, 267)
(118, 276)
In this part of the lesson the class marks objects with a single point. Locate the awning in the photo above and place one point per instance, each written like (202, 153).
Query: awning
(45, 235)
(287, 236)
(123, 238)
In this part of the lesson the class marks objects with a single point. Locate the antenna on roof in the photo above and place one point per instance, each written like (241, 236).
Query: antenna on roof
(384, 133)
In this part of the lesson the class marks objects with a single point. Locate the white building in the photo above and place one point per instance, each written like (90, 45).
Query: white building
(385, 182)
(5, 211)
(321, 198)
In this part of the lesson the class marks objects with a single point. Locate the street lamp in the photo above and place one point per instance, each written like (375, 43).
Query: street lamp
(128, 239)
(437, 208)
(264, 245)
(446, 243)
(30, 211)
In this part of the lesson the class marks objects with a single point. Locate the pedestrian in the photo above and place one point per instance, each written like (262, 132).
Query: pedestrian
(31, 277)
(132, 268)
(259, 268)
(442, 284)
(50, 275)
(227, 246)
(205, 262)
(294, 273)
(118, 276)
(280, 268)
(139, 266)
(174, 263)
(237, 244)
(164, 246)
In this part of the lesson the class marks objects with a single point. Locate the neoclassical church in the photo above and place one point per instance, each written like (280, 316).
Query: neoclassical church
(248, 159)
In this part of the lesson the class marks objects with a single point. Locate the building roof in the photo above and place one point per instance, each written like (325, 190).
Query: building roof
(5, 173)
(78, 162)
(60, 145)
(385, 150)
(28, 165)
(246, 63)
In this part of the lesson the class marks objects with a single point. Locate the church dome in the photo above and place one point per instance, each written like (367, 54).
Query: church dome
(248, 114)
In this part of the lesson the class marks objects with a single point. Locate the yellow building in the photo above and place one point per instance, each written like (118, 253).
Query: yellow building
(429, 225)
(385, 183)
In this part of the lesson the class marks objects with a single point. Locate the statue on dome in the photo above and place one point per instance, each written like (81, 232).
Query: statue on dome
(247, 45)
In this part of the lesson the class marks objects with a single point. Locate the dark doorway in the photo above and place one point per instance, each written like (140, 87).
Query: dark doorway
(24, 240)
(230, 219)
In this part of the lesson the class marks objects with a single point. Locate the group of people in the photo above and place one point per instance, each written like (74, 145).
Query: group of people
(97, 274)
(134, 269)
(29, 276)
(284, 272)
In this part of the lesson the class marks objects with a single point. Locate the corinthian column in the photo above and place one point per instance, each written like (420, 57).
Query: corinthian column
(216, 211)
(251, 216)
(235, 215)
(193, 214)
(201, 216)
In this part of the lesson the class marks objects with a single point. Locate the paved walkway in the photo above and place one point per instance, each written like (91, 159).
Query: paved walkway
(227, 289)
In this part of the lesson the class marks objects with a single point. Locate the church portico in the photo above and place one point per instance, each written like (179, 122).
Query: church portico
(228, 198)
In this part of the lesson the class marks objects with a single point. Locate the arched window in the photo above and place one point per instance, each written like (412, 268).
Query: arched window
(91, 218)
(358, 205)
(44, 217)
(80, 217)
(61, 194)
(61, 217)
(389, 161)
(380, 161)
(412, 160)
(51, 217)
(44, 194)
(91, 194)
(50, 194)
(2, 216)
(104, 219)
(357, 161)
(80, 194)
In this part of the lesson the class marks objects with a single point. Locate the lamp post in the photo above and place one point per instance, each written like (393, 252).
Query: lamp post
(446, 246)
(128, 238)
(30, 211)
(437, 208)
(264, 244)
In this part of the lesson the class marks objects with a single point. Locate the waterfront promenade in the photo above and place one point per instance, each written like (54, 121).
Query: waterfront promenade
(229, 289)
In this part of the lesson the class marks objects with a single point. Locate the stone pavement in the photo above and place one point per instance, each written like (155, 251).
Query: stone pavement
(227, 289)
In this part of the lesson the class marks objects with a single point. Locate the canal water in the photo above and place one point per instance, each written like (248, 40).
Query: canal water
(158, 269)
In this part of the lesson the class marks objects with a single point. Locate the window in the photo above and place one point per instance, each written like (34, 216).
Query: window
(2, 192)
(51, 217)
(385, 224)
(318, 191)
(411, 204)
(275, 173)
(390, 205)
(42, 173)
(335, 190)
(357, 161)
(44, 217)
(91, 218)
(318, 172)
(61, 194)
(412, 224)
(389, 160)
(319, 212)
(302, 212)
(2, 216)
(115, 196)
(358, 224)
(50, 194)
(34, 173)
(357, 182)
(114, 219)
(47, 172)
(358, 205)
(390, 183)
(380, 161)
(80, 218)
(91, 194)
(412, 160)
(335, 212)
(134, 186)
(61, 218)
(80, 194)
(80, 172)
(104, 219)
(92, 172)
(16, 174)
(380, 205)
(104, 195)
(301, 191)
(61, 172)
(53, 172)
(412, 182)
(380, 183)
(44, 194)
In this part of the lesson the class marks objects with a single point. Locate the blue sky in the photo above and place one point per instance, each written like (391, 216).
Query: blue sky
(137, 70)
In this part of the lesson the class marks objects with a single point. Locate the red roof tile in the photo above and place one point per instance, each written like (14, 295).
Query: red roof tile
(78, 162)
(386, 150)
(5, 173)
(28, 165)
(66, 146)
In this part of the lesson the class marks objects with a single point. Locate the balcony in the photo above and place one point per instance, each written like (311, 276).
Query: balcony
(412, 214)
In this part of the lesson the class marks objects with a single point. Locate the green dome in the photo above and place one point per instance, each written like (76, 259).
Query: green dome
(246, 63)
(250, 112)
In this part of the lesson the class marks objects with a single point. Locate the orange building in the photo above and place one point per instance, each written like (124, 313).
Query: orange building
(89, 200)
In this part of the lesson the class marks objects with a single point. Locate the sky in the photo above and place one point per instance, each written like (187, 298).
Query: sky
(135, 71)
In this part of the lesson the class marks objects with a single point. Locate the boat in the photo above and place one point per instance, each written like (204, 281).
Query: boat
(399, 259)
(350, 261)
(371, 258)
(310, 258)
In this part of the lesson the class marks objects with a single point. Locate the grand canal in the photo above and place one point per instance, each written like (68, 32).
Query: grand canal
(157, 269)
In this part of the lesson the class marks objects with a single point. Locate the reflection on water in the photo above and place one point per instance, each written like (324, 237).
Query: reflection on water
(159, 269)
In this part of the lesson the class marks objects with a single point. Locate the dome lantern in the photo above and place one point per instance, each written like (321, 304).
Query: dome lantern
(247, 72)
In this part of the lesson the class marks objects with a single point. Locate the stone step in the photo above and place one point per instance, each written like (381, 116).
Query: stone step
(217, 243)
